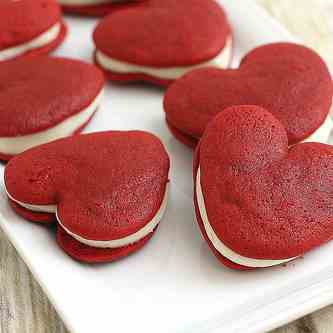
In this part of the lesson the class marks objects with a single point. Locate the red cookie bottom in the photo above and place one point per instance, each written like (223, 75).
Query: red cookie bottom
(6, 157)
(39, 217)
(187, 140)
(88, 254)
(95, 10)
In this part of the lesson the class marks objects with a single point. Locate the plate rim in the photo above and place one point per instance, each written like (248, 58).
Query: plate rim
(310, 296)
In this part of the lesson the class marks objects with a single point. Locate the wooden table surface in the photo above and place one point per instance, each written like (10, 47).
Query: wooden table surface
(24, 308)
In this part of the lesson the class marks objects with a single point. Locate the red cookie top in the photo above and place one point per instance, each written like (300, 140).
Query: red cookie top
(24, 20)
(38, 93)
(131, 35)
(106, 185)
(289, 80)
(263, 200)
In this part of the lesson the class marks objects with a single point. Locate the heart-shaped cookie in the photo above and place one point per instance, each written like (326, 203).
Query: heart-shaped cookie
(29, 27)
(258, 202)
(289, 80)
(108, 190)
(94, 7)
(158, 41)
(43, 99)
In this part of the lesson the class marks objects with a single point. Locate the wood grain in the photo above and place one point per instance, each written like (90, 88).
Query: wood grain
(24, 308)
(310, 20)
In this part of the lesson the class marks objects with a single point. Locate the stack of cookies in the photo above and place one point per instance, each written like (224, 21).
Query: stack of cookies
(262, 171)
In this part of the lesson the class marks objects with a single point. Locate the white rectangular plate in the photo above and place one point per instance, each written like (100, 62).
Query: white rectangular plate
(174, 284)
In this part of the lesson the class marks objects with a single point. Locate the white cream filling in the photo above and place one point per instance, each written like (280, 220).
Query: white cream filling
(52, 209)
(45, 38)
(86, 2)
(16, 145)
(222, 248)
(169, 73)
(322, 133)
(112, 244)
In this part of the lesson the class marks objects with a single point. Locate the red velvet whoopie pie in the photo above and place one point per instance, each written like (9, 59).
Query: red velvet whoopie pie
(163, 41)
(289, 80)
(44, 99)
(260, 203)
(107, 191)
(30, 27)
